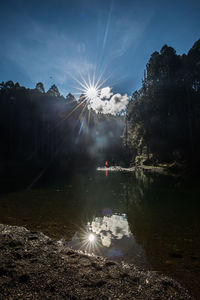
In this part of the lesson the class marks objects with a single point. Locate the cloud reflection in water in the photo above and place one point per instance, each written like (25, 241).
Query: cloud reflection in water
(112, 227)
(113, 239)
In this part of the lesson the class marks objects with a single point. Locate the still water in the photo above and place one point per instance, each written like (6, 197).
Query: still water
(147, 219)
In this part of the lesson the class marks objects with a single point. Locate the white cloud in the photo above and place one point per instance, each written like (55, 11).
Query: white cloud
(106, 93)
(128, 32)
(108, 103)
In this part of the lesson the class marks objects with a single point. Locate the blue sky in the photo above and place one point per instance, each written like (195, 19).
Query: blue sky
(52, 41)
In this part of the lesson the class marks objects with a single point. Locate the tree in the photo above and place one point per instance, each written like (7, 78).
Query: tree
(82, 98)
(2, 85)
(40, 87)
(53, 91)
(70, 97)
(17, 85)
(164, 114)
(9, 84)
(153, 68)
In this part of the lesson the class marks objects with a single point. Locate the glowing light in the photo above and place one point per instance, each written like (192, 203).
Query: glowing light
(106, 163)
(91, 93)
(91, 237)
(90, 89)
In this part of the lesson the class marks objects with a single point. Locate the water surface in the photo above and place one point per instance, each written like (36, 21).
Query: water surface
(147, 219)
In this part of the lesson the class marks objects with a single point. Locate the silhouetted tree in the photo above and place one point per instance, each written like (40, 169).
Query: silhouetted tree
(2, 85)
(164, 115)
(53, 91)
(9, 84)
(37, 130)
(17, 85)
(70, 98)
(40, 87)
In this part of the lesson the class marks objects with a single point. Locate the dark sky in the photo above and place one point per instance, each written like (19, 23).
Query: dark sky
(50, 41)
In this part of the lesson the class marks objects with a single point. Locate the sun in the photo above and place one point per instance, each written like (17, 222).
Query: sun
(89, 88)
(91, 93)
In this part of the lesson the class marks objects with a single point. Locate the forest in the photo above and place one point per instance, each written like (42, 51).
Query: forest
(41, 129)
(164, 115)
(162, 123)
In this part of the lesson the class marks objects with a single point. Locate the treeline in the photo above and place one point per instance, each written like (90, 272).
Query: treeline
(40, 129)
(164, 115)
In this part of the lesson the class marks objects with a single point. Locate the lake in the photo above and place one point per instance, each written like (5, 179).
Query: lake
(148, 219)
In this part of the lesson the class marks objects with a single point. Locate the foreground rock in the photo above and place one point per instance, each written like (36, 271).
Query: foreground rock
(33, 266)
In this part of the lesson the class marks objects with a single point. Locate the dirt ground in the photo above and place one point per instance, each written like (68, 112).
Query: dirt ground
(33, 266)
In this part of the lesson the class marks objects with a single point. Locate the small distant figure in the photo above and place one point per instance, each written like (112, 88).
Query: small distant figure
(106, 164)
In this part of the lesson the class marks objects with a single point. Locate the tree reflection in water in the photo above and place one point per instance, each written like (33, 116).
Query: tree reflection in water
(148, 219)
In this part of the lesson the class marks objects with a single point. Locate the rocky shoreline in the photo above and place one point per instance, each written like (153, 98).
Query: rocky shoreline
(34, 266)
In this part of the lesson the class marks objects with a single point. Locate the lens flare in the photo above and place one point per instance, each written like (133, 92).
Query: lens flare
(89, 89)
(91, 237)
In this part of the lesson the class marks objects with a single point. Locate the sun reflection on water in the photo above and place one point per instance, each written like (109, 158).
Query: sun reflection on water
(91, 237)
(108, 236)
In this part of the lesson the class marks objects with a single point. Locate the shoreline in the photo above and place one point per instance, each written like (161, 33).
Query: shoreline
(156, 169)
(34, 266)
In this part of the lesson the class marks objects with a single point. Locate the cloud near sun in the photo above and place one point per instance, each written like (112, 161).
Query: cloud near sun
(108, 103)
